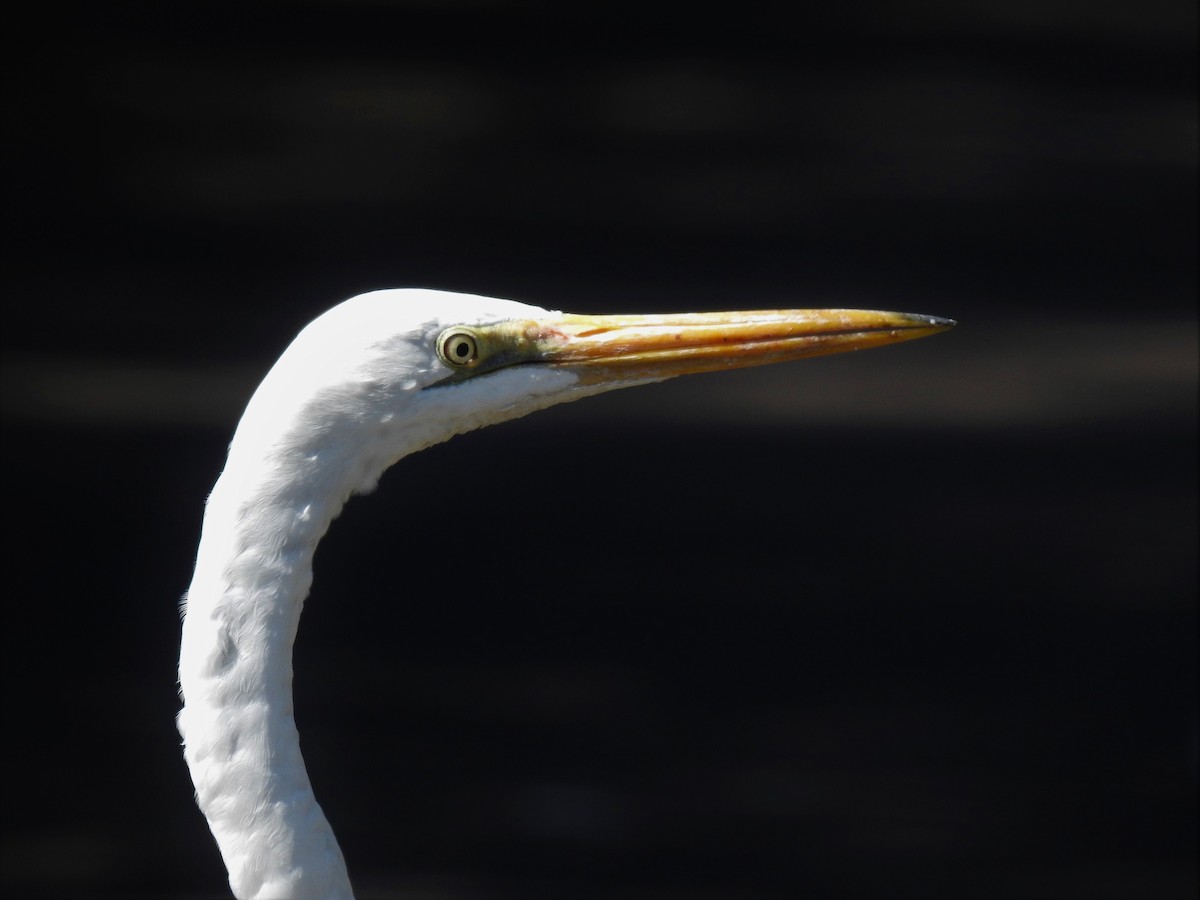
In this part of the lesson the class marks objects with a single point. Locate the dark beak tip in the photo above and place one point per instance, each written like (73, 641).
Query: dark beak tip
(940, 322)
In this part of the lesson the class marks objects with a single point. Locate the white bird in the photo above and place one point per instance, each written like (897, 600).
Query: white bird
(378, 377)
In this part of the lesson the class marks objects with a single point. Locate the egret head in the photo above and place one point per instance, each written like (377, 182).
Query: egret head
(389, 372)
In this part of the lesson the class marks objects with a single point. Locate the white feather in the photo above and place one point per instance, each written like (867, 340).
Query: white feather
(344, 402)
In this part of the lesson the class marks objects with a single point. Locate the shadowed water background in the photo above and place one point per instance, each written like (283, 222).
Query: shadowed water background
(912, 623)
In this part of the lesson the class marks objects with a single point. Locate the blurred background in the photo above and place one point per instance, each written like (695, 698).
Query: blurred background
(919, 622)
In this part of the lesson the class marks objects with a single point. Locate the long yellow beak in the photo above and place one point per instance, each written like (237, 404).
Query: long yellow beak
(667, 345)
(628, 348)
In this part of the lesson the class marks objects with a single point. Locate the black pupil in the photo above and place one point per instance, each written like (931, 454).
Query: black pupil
(462, 348)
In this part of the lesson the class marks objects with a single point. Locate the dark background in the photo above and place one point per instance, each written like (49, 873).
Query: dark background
(912, 623)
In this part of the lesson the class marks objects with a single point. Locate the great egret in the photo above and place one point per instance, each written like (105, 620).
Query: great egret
(378, 377)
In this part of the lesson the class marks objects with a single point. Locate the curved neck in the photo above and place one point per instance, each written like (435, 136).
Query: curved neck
(253, 571)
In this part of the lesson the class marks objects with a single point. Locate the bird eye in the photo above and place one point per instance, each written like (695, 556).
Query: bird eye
(458, 348)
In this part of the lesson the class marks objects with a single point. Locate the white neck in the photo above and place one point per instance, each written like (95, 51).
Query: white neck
(253, 572)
